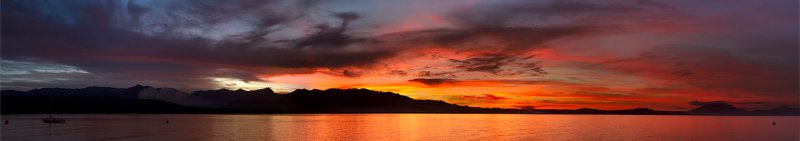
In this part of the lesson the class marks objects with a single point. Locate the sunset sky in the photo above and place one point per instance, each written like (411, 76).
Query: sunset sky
(559, 54)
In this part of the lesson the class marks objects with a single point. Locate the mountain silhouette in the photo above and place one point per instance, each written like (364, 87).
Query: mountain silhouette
(723, 108)
(146, 99)
(717, 108)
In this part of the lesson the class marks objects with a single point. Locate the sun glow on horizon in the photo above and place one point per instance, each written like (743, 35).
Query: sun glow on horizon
(233, 84)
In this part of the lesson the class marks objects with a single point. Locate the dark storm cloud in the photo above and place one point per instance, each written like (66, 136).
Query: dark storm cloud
(509, 38)
(507, 12)
(93, 36)
(332, 37)
(524, 24)
(504, 38)
(700, 103)
(430, 74)
(483, 97)
(500, 64)
(204, 15)
(350, 73)
(513, 26)
(433, 81)
(398, 73)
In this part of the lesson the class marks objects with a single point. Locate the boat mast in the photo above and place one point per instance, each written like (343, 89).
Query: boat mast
(49, 105)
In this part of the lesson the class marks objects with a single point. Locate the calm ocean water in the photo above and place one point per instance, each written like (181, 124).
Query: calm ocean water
(436, 127)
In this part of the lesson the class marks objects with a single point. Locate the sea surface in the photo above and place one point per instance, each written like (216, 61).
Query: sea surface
(382, 127)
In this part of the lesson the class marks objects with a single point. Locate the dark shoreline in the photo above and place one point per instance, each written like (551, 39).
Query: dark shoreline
(148, 100)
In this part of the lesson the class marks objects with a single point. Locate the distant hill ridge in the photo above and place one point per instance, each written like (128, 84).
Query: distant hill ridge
(146, 99)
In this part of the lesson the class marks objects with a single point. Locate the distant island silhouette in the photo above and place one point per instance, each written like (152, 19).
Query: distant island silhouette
(145, 99)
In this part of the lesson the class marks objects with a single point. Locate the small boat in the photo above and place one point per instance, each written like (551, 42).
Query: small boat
(52, 119)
